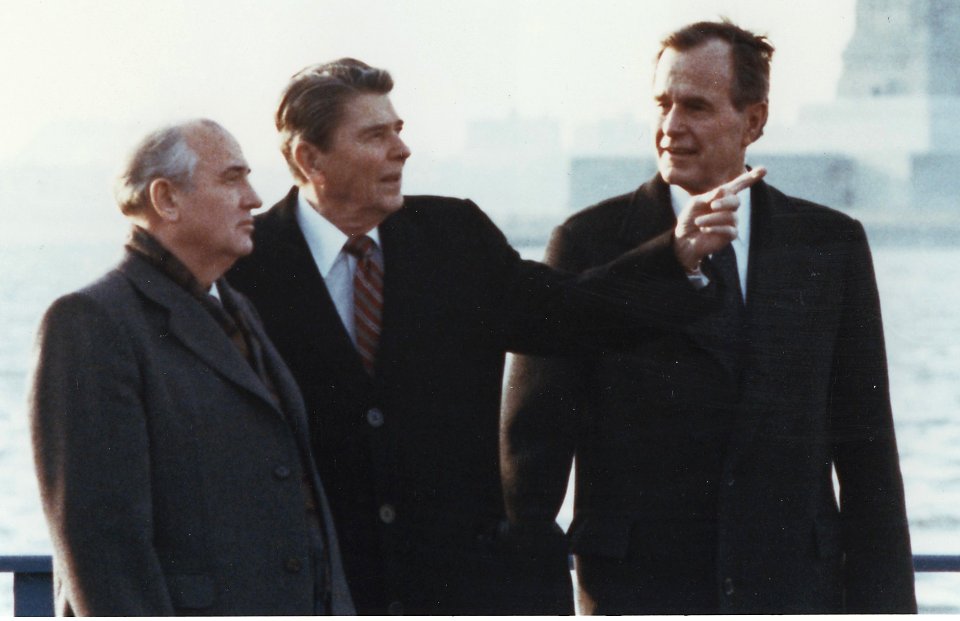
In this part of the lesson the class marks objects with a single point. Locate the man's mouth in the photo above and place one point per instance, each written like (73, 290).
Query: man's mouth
(678, 152)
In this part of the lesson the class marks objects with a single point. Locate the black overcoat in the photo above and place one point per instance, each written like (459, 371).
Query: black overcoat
(714, 482)
(410, 456)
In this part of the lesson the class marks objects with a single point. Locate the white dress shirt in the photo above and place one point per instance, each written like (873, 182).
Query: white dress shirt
(337, 267)
(741, 245)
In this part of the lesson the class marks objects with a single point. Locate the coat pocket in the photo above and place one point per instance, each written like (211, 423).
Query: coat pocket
(191, 591)
(607, 536)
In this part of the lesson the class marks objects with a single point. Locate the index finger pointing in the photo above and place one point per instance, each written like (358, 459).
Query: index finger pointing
(745, 180)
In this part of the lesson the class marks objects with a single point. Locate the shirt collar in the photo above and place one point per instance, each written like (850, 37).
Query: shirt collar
(323, 238)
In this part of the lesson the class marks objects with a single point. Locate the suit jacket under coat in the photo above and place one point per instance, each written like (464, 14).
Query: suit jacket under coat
(655, 457)
(170, 476)
(410, 457)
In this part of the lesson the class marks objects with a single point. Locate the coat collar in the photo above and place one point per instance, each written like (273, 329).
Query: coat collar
(650, 213)
(193, 325)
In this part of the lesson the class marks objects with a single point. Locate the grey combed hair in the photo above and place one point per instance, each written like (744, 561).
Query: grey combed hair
(161, 154)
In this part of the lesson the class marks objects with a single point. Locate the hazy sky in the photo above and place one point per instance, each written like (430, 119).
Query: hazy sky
(81, 79)
(70, 62)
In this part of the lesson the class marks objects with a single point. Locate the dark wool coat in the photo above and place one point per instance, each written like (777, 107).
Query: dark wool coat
(703, 487)
(410, 457)
(170, 477)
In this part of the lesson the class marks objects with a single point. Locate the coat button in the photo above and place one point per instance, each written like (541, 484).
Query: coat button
(375, 417)
(387, 514)
(728, 586)
(281, 472)
(731, 481)
(395, 608)
(293, 565)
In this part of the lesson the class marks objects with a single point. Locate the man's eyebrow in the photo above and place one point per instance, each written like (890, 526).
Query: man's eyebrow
(691, 100)
(372, 129)
(242, 169)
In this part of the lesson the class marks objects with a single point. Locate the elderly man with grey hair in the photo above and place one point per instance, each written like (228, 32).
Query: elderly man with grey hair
(168, 435)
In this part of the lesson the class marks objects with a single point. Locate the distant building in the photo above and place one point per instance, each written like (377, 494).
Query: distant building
(897, 112)
(888, 142)
(593, 179)
(828, 179)
(903, 48)
(513, 167)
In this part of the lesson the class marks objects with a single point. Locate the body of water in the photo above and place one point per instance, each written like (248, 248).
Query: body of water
(922, 324)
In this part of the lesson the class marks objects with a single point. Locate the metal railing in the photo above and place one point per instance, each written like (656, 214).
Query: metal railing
(32, 584)
(33, 588)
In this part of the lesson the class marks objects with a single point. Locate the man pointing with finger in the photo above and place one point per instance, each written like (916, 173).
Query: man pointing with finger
(705, 461)
(395, 313)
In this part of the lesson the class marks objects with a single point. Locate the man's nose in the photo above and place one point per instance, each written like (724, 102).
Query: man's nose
(671, 121)
(251, 200)
(401, 151)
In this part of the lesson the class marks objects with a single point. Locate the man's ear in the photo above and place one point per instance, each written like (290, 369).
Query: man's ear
(756, 121)
(309, 161)
(163, 200)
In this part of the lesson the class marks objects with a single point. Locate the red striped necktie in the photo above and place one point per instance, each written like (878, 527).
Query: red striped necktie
(367, 298)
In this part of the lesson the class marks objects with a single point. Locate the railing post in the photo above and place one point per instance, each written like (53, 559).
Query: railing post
(32, 595)
(32, 584)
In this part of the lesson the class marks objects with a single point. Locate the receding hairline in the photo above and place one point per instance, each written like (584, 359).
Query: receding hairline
(195, 132)
(750, 55)
(193, 129)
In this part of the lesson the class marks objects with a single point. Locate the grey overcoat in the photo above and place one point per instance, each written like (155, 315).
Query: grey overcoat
(171, 480)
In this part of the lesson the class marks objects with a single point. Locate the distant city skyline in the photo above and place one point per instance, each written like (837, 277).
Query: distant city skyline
(84, 78)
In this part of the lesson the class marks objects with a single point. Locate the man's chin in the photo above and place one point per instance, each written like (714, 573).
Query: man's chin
(392, 204)
(245, 248)
(675, 175)
(670, 173)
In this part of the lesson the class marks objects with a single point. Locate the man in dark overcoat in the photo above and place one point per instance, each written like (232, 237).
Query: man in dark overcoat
(395, 314)
(705, 459)
(169, 437)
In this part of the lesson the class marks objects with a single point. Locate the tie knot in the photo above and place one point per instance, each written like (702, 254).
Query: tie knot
(360, 247)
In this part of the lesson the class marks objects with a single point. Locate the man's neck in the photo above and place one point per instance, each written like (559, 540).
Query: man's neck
(196, 260)
(150, 246)
(352, 222)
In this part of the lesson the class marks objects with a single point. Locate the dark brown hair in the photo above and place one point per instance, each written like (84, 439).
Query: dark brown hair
(314, 100)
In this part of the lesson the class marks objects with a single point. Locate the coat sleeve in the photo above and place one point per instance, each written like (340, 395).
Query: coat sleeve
(91, 450)
(543, 397)
(878, 570)
(556, 309)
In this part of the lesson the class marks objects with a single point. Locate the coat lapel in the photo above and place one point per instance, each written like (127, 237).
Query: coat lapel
(786, 281)
(295, 411)
(651, 215)
(317, 315)
(787, 277)
(407, 257)
(291, 402)
(194, 327)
